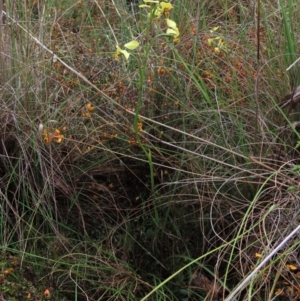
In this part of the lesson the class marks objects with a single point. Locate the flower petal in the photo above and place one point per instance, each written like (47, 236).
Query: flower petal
(118, 50)
(171, 23)
(132, 45)
(165, 5)
(214, 29)
(126, 54)
(171, 31)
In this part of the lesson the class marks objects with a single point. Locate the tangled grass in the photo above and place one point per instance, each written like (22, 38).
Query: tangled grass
(170, 176)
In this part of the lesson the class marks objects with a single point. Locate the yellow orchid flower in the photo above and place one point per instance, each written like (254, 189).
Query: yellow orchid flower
(162, 8)
(173, 30)
(165, 8)
(119, 52)
(130, 45)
